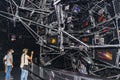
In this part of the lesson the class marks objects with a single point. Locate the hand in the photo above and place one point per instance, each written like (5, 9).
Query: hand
(32, 52)
(12, 66)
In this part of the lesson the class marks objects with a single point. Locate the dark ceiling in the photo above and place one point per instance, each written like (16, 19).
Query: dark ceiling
(7, 29)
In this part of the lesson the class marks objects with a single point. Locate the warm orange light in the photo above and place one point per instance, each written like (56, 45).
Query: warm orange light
(85, 39)
(108, 56)
(53, 41)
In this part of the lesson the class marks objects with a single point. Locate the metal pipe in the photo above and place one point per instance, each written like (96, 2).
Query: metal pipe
(74, 38)
(105, 46)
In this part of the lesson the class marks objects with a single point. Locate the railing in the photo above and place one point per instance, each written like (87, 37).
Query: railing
(41, 73)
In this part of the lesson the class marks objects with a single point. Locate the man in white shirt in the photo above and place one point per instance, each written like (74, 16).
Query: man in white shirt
(9, 64)
(25, 61)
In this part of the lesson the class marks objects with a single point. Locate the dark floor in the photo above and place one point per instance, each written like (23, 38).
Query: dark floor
(15, 74)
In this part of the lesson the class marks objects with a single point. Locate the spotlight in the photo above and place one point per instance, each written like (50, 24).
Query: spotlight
(69, 19)
(52, 40)
(67, 7)
(76, 9)
(105, 55)
(13, 37)
(85, 39)
(86, 23)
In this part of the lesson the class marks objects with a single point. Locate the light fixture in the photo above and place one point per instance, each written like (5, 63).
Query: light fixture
(13, 37)
(76, 9)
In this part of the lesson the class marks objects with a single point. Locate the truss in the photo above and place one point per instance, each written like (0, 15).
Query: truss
(99, 21)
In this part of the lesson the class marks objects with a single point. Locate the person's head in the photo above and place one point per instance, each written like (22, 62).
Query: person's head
(25, 51)
(82, 66)
(10, 51)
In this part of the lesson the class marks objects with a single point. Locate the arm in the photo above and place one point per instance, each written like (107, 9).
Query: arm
(31, 55)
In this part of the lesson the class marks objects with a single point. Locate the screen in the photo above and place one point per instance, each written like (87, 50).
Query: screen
(107, 55)
(86, 39)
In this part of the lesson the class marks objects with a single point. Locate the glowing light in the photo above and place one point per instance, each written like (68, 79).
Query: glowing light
(86, 39)
(105, 55)
(13, 37)
(53, 41)
(76, 9)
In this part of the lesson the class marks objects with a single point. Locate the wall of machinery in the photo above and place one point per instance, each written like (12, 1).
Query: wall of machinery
(79, 31)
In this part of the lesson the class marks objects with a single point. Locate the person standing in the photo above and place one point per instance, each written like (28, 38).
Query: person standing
(83, 69)
(25, 61)
(9, 64)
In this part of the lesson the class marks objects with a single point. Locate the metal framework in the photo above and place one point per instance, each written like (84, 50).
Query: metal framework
(55, 16)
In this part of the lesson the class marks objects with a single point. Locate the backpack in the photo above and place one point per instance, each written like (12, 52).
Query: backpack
(5, 59)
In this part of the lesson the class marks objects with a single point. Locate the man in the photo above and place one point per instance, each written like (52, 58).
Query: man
(9, 64)
(25, 61)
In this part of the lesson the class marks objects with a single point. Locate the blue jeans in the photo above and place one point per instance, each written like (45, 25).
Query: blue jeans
(8, 72)
(24, 74)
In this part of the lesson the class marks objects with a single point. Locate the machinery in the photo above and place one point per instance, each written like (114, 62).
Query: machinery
(78, 31)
